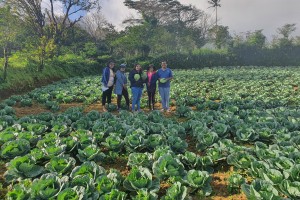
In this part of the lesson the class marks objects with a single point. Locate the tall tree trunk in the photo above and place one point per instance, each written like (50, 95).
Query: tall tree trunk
(5, 53)
(216, 15)
(57, 41)
(42, 59)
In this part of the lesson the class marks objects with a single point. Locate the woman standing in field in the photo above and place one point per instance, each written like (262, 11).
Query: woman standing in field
(121, 86)
(107, 81)
(136, 84)
(151, 85)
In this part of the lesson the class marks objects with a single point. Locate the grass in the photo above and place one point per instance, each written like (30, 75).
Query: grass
(22, 75)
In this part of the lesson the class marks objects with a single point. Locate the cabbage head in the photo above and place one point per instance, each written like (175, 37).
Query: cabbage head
(141, 178)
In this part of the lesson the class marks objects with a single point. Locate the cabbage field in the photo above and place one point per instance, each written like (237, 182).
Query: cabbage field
(239, 122)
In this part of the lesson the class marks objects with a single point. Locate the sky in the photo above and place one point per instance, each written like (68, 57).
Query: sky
(240, 16)
(57, 6)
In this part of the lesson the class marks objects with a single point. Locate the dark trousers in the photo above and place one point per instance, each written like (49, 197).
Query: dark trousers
(125, 94)
(106, 96)
(151, 98)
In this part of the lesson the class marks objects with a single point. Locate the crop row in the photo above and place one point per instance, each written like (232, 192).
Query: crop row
(248, 118)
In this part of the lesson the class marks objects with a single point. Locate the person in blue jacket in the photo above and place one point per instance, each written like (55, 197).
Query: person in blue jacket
(164, 75)
(121, 86)
(136, 84)
(151, 85)
(108, 78)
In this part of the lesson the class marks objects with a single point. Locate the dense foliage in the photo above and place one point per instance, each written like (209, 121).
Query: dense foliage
(40, 46)
(247, 117)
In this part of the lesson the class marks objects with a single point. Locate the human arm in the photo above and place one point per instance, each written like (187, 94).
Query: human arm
(131, 76)
(125, 81)
(154, 78)
(119, 78)
(105, 76)
(170, 75)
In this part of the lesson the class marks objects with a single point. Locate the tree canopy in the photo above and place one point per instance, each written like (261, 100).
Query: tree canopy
(163, 28)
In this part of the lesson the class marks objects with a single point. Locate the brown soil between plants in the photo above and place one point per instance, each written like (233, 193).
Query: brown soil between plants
(219, 181)
(219, 184)
(37, 108)
(295, 88)
(119, 164)
(3, 190)
(33, 110)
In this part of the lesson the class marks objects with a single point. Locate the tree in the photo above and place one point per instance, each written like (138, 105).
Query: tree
(9, 25)
(284, 39)
(249, 48)
(97, 26)
(132, 42)
(166, 12)
(99, 29)
(256, 39)
(220, 36)
(215, 4)
(286, 30)
(180, 20)
(30, 11)
(73, 11)
(297, 41)
(53, 28)
(74, 40)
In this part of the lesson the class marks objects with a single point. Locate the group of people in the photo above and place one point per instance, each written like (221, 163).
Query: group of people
(137, 78)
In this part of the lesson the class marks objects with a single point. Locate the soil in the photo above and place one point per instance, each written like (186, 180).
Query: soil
(37, 108)
(219, 178)
(3, 189)
(219, 184)
(192, 144)
(163, 188)
(33, 110)
(295, 88)
(120, 164)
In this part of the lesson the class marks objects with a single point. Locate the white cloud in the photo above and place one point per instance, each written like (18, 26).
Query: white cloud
(238, 15)
(115, 11)
(269, 15)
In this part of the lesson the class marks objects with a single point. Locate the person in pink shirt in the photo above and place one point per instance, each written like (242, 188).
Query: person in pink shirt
(151, 85)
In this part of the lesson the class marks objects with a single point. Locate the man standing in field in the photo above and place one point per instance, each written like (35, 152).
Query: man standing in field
(164, 75)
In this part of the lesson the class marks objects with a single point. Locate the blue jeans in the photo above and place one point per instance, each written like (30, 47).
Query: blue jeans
(136, 97)
(164, 93)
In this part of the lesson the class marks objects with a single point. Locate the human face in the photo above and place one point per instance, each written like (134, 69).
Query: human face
(111, 65)
(138, 67)
(122, 69)
(164, 65)
(150, 69)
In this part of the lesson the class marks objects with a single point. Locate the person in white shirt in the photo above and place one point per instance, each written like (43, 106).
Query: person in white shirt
(108, 77)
